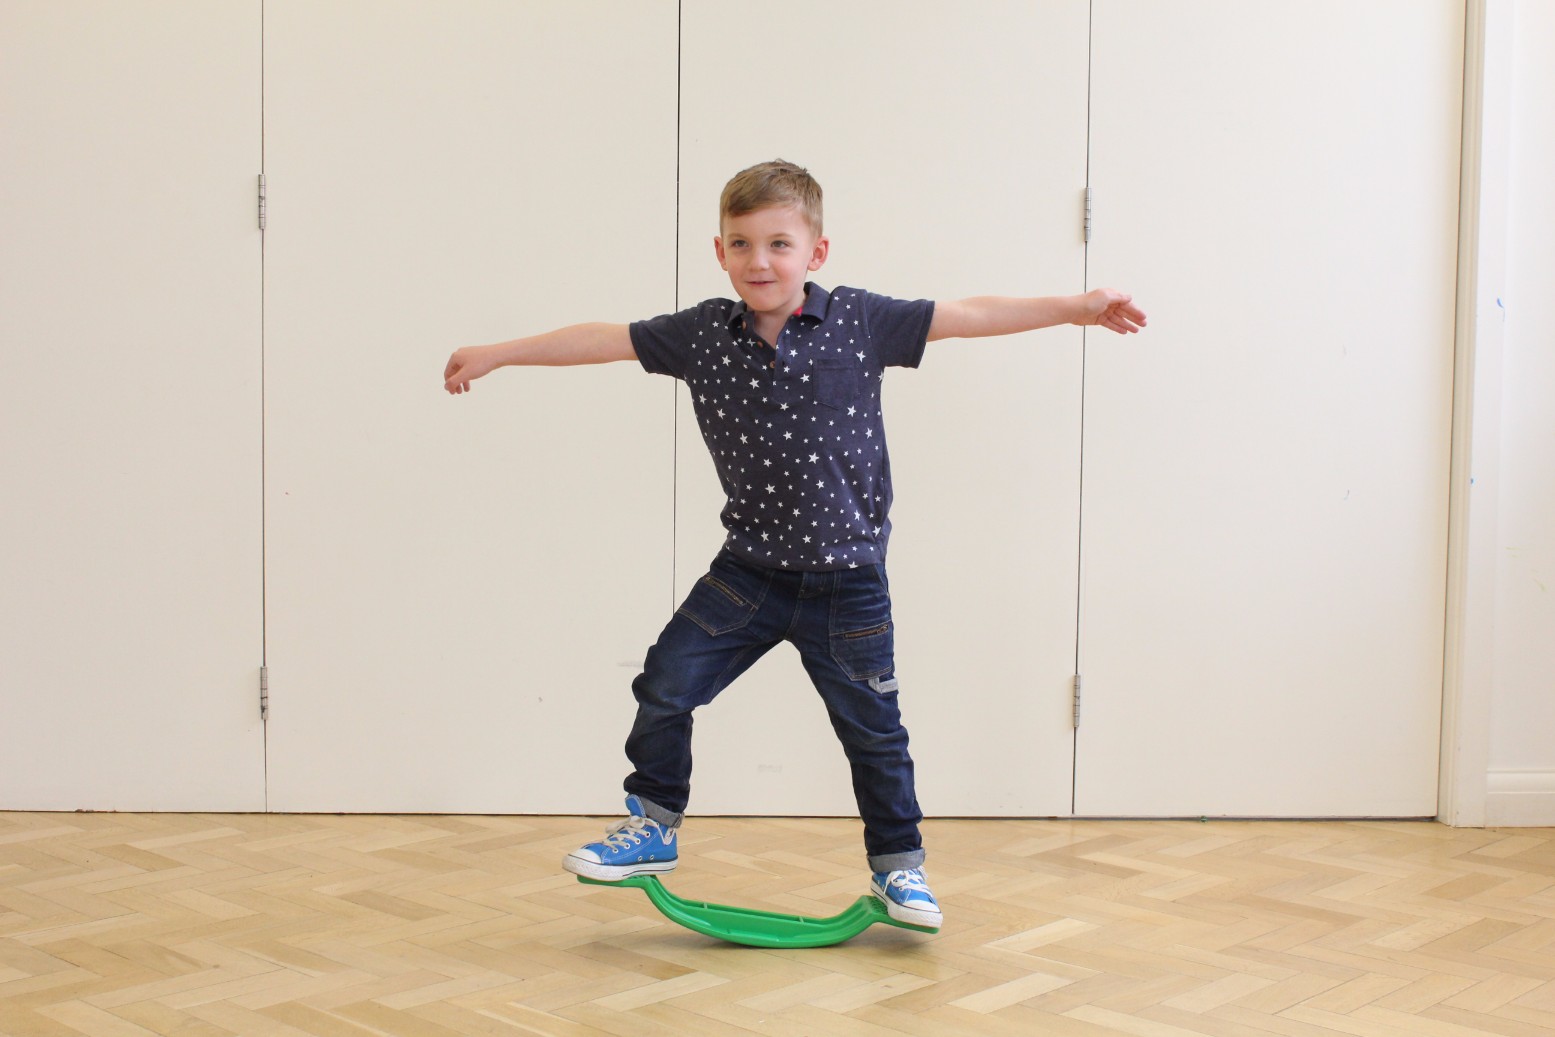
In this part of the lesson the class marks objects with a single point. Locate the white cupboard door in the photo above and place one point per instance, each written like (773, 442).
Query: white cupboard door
(130, 621)
(950, 144)
(461, 588)
(1265, 494)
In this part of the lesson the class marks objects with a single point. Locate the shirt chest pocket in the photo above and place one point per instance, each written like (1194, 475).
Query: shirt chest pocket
(840, 383)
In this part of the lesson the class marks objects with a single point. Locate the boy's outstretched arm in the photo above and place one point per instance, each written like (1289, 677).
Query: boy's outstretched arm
(564, 347)
(997, 315)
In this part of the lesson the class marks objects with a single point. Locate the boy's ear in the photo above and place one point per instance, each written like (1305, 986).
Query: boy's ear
(718, 249)
(817, 257)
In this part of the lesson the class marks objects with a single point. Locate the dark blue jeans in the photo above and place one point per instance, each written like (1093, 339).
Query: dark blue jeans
(841, 623)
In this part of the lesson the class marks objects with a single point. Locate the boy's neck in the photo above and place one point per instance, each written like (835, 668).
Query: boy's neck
(769, 326)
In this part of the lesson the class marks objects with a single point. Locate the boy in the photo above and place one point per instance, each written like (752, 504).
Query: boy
(785, 383)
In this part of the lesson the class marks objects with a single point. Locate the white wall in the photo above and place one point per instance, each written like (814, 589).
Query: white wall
(1520, 785)
(1504, 741)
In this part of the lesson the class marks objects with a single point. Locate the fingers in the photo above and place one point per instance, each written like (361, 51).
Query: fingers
(452, 381)
(1115, 321)
(1123, 317)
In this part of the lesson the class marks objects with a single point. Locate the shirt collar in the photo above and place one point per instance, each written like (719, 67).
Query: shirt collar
(816, 302)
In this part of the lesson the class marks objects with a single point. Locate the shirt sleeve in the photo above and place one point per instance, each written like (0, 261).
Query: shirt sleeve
(898, 328)
(664, 343)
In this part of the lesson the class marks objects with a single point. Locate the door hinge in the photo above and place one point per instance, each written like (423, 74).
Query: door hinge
(261, 201)
(264, 693)
(1077, 700)
(1087, 214)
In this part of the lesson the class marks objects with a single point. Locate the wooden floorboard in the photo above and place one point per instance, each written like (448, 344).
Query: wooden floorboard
(413, 926)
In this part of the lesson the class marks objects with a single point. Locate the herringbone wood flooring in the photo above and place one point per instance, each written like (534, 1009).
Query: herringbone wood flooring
(203, 925)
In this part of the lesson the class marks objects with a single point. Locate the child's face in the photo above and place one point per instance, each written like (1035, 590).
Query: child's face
(767, 253)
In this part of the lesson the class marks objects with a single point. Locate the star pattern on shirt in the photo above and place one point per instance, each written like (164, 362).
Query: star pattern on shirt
(803, 412)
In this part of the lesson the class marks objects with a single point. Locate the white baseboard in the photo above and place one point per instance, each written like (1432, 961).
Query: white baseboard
(1520, 799)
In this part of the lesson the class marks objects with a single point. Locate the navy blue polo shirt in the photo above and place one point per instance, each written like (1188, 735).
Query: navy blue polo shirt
(795, 428)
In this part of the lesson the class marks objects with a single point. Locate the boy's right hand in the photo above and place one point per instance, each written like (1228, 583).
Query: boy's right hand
(466, 365)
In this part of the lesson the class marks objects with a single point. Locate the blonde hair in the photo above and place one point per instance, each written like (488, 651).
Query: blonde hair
(771, 184)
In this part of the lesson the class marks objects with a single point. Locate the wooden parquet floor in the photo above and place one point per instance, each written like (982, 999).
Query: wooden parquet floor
(115, 925)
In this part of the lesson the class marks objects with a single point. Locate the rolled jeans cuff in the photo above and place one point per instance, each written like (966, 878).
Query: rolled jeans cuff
(890, 862)
(654, 812)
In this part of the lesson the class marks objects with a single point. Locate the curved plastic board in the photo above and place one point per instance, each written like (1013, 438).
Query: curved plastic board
(762, 928)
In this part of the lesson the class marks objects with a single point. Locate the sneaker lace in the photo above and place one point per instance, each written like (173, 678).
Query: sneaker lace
(912, 881)
(626, 833)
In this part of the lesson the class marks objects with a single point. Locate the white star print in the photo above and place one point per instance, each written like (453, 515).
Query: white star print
(856, 473)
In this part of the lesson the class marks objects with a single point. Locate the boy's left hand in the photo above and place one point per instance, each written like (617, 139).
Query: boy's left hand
(1112, 309)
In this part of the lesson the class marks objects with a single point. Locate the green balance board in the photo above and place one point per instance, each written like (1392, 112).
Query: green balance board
(762, 928)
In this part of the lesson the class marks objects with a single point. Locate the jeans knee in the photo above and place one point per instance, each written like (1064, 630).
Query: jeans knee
(874, 743)
(656, 693)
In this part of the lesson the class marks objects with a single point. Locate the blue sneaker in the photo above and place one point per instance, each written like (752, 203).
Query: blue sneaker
(907, 897)
(637, 846)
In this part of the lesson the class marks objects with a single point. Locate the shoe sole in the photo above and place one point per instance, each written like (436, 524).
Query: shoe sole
(615, 872)
(910, 915)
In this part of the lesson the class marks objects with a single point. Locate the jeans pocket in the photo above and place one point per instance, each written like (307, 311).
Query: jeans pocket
(724, 600)
(867, 653)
